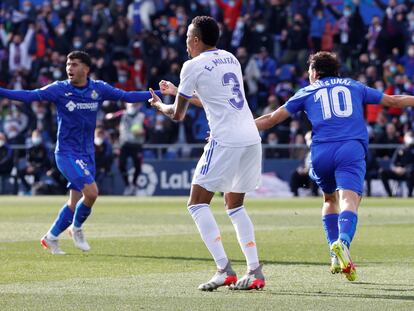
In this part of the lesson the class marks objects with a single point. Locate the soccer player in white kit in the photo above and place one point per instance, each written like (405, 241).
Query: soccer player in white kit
(232, 158)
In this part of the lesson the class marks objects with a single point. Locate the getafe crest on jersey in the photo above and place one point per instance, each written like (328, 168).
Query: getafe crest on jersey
(94, 95)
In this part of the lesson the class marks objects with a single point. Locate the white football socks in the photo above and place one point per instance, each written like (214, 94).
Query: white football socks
(245, 235)
(210, 233)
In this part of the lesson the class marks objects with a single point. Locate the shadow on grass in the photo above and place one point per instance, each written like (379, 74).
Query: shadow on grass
(240, 261)
(344, 295)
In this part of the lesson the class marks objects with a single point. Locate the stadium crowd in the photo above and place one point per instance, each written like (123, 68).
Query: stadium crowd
(136, 43)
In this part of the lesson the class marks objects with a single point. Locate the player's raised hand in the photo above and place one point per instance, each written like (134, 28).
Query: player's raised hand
(167, 88)
(155, 101)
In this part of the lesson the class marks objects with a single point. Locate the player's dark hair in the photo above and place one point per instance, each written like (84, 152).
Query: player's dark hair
(207, 29)
(325, 64)
(82, 56)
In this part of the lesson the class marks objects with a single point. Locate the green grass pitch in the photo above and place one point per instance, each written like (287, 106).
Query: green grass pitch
(147, 255)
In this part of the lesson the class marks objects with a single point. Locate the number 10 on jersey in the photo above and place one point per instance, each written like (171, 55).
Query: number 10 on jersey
(331, 103)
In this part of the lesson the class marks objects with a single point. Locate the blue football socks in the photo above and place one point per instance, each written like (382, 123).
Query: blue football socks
(63, 221)
(330, 225)
(347, 226)
(82, 212)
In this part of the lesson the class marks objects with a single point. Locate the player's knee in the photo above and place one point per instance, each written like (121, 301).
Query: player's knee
(232, 202)
(95, 194)
(330, 199)
(92, 194)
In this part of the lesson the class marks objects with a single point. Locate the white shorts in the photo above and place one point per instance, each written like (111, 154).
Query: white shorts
(229, 169)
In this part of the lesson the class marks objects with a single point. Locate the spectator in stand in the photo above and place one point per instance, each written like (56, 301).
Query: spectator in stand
(124, 81)
(295, 40)
(137, 19)
(272, 104)
(273, 151)
(407, 61)
(251, 76)
(300, 177)
(317, 28)
(19, 57)
(372, 169)
(276, 17)
(258, 38)
(372, 111)
(6, 160)
(394, 29)
(55, 184)
(231, 11)
(37, 161)
(373, 32)
(131, 138)
(161, 129)
(391, 136)
(43, 121)
(401, 167)
(103, 158)
(351, 34)
(296, 152)
(267, 66)
(15, 125)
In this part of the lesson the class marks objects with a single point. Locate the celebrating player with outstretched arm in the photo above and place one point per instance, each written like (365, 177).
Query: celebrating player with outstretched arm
(335, 107)
(77, 101)
(231, 162)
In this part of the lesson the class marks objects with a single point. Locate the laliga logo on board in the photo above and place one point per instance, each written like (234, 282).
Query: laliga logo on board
(147, 181)
(71, 106)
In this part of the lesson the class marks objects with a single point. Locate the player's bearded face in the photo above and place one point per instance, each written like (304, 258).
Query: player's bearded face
(190, 41)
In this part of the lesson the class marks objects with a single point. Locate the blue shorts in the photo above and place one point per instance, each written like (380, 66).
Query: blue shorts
(77, 169)
(338, 165)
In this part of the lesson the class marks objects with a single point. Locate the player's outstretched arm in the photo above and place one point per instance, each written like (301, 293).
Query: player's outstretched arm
(48, 92)
(138, 96)
(19, 95)
(176, 111)
(271, 119)
(112, 93)
(399, 101)
(168, 88)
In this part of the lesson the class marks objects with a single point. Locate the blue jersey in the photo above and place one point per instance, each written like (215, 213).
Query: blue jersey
(76, 109)
(335, 108)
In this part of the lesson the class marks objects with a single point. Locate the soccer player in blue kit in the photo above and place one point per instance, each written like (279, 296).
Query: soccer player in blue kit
(77, 101)
(335, 108)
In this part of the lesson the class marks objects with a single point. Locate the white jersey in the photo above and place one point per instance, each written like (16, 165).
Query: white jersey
(216, 78)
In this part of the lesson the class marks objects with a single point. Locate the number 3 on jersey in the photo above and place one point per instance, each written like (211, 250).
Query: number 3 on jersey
(237, 101)
(331, 102)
